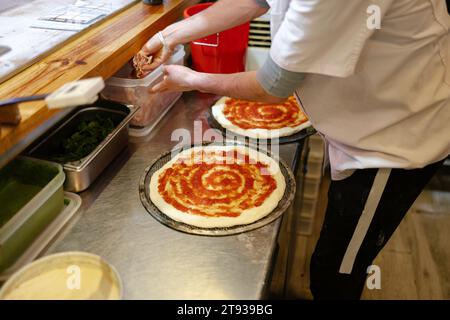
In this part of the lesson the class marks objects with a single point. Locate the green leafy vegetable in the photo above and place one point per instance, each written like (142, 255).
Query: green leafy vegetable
(86, 138)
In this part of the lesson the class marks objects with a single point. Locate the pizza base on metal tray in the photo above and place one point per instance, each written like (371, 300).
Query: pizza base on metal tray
(258, 133)
(219, 182)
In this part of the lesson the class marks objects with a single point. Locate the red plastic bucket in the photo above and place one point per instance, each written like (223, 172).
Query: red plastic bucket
(223, 52)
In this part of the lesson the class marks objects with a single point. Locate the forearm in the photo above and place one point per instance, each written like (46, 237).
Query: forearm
(243, 85)
(270, 83)
(223, 15)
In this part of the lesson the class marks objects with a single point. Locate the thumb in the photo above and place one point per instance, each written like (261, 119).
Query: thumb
(159, 87)
(151, 46)
(148, 47)
(162, 84)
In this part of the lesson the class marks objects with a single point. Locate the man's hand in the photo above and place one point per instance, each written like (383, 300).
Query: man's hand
(223, 15)
(177, 78)
(241, 85)
(155, 49)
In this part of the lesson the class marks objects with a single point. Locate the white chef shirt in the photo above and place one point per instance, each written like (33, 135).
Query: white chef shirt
(380, 97)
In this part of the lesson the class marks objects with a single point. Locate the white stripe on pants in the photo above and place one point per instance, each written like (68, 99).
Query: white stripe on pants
(365, 220)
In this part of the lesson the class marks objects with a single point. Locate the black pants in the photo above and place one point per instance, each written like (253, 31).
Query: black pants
(346, 202)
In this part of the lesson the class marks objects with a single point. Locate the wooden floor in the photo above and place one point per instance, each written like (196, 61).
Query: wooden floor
(415, 264)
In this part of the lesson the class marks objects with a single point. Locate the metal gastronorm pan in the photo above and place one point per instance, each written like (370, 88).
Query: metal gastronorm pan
(81, 173)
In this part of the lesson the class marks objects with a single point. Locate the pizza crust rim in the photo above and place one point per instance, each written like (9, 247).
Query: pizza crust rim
(217, 112)
(247, 216)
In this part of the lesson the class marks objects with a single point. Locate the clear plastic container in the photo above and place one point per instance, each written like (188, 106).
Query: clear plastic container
(72, 203)
(31, 196)
(122, 87)
(47, 279)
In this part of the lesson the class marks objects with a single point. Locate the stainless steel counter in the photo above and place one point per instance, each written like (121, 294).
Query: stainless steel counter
(156, 262)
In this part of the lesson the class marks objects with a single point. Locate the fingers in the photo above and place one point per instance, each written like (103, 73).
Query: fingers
(152, 46)
(142, 74)
(149, 57)
(160, 87)
(165, 84)
(165, 71)
(176, 78)
(152, 66)
(159, 58)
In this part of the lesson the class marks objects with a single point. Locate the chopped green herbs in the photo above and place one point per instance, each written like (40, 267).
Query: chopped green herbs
(85, 139)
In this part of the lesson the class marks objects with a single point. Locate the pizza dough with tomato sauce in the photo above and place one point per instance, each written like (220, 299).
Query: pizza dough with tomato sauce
(260, 120)
(218, 186)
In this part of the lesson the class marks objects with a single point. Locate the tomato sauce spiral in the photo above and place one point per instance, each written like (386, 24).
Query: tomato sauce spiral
(198, 186)
(256, 115)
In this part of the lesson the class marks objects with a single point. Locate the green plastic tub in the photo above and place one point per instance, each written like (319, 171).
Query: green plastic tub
(31, 196)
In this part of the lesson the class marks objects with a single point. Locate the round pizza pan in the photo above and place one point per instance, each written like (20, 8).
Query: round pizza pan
(144, 192)
(214, 124)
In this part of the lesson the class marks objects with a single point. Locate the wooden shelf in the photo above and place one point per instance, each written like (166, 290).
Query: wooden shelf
(99, 51)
